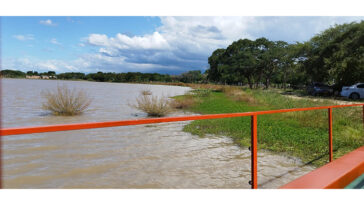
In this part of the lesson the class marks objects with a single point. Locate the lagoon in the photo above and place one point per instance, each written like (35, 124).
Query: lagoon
(143, 156)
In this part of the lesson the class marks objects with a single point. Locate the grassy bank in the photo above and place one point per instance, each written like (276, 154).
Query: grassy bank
(299, 134)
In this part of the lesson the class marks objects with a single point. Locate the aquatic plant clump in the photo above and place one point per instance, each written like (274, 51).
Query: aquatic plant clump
(65, 101)
(154, 106)
(146, 92)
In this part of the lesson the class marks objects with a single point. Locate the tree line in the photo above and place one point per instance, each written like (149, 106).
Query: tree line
(334, 56)
(194, 76)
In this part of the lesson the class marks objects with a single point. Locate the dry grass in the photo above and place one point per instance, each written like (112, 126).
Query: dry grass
(183, 103)
(210, 87)
(238, 94)
(65, 101)
(154, 106)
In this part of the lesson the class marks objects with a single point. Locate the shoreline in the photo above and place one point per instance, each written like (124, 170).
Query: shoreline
(180, 84)
(301, 135)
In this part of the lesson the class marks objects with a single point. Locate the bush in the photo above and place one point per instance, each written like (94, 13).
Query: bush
(65, 101)
(154, 106)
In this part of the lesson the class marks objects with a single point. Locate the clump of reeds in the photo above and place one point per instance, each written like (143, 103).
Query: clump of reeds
(154, 106)
(65, 101)
(146, 92)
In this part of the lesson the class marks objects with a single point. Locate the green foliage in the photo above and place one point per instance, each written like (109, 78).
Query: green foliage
(12, 74)
(334, 56)
(247, 60)
(193, 76)
(301, 134)
(71, 76)
(32, 73)
(117, 77)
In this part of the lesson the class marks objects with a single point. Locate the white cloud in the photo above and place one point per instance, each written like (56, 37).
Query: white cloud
(55, 42)
(154, 41)
(47, 22)
(181, 43)
(184, 43)
(188, 41)
(24, 37)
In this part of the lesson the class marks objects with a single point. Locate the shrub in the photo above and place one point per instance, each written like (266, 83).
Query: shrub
(154, 106)
(65, 101)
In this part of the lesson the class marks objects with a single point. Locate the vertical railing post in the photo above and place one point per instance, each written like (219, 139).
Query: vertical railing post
(253, 149)
(330, 134)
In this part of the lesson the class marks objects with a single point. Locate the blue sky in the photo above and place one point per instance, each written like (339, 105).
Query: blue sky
(139, 44)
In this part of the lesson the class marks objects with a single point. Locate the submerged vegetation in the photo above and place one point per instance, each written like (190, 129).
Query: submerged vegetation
(65, 101)
(146, 92)
(301, 134)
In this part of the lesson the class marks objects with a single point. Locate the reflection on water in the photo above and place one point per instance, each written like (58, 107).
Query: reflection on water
(143, 156)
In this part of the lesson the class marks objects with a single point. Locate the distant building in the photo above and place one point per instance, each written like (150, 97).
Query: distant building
(32, 77)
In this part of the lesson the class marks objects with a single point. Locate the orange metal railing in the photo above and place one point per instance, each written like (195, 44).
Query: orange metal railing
(254, 128)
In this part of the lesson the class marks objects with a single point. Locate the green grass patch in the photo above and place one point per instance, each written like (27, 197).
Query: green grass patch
(301, 134)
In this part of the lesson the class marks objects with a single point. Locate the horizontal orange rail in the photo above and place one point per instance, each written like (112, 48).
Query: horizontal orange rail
(334, 175)
(254, 119)
(92, 125)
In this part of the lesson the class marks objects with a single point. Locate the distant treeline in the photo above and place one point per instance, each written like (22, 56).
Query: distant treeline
(335, 56)
(188, 77)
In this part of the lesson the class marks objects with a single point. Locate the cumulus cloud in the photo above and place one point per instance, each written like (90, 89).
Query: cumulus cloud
(182, 43)
(24, 37)
(47, 22)
(185, 43)
(154, 41)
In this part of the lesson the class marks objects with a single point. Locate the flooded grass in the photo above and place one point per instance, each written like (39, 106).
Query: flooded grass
(301, 134)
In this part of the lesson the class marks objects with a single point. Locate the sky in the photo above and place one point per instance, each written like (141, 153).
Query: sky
(146, 44)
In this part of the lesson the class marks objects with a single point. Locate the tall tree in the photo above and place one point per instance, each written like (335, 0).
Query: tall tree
(214, 61)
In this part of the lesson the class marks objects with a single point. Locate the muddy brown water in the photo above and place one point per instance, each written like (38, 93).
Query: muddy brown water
(143, 156)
